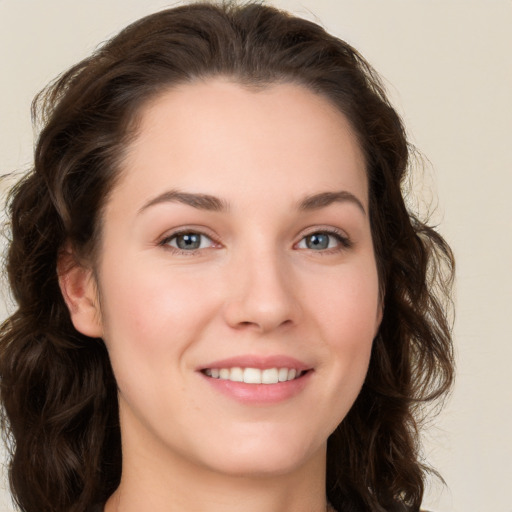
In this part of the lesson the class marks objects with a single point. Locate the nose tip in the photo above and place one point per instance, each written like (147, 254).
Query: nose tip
(262, 298)
(262, 319)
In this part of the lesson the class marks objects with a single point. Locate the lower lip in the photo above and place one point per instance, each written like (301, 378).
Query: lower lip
(260, 394)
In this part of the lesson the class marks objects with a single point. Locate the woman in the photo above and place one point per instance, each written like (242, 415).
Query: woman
(223, 303)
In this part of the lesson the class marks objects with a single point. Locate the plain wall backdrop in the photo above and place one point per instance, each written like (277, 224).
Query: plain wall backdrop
(448, 68)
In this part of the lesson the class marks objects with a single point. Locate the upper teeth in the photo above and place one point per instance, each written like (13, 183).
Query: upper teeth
(254, 375)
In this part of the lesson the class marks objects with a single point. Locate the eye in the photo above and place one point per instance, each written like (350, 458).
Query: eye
(188, 241)
(323, 240)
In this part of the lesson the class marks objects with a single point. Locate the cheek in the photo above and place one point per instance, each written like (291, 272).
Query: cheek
(152, 313)
(151, 318)
(349, 304)
(348, 312)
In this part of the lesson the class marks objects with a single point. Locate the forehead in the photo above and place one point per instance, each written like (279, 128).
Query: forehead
(219, 137)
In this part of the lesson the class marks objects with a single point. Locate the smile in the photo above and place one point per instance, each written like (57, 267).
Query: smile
(254, 375)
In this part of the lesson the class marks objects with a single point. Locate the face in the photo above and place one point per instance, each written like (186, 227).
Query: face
(238, 290)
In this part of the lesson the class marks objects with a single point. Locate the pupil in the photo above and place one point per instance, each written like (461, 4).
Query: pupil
(317, 241)
(189, 241)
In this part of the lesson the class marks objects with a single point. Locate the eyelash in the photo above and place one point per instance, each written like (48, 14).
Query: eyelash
(342, 239)
(176, 250)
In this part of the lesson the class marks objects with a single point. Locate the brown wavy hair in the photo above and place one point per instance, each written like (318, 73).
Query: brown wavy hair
(59, 395)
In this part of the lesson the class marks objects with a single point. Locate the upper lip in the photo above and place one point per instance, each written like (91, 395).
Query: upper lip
(260, 362)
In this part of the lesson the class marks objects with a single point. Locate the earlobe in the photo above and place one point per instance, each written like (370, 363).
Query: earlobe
(78, 287)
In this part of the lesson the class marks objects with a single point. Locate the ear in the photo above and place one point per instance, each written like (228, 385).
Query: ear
(78, 286)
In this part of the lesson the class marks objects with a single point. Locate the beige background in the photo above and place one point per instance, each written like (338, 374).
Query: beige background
(448, 67)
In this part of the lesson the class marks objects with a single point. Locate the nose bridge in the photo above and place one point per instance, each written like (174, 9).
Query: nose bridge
(262, 289)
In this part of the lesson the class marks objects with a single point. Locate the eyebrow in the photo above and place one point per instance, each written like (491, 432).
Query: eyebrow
(212, 203)
(199, 201)
(317, 201)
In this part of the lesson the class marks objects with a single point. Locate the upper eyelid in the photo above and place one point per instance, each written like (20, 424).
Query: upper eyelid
(200, 230)
(324, 229)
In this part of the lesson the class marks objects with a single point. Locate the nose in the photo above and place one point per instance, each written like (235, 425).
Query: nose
(262, 293)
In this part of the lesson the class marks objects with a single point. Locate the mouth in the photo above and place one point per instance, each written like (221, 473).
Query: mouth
(250, 375)
(260, 380)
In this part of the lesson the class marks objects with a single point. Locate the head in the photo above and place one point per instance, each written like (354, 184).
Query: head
(96, 118)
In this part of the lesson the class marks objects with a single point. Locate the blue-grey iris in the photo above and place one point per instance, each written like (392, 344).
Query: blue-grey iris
(188, 241)
(317, 241)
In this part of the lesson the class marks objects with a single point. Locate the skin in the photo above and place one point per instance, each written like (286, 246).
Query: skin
(253, 287)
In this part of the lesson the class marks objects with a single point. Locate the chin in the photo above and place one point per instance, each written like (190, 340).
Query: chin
(265, 457)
